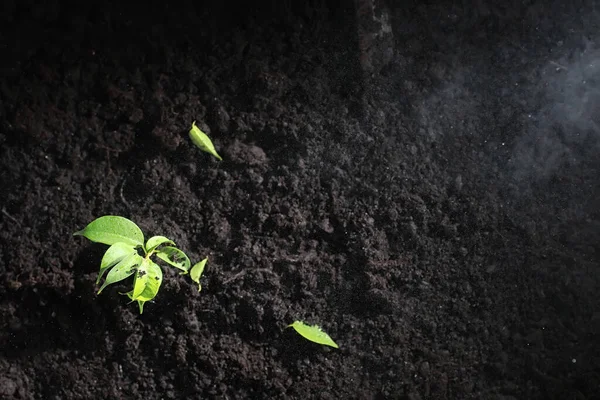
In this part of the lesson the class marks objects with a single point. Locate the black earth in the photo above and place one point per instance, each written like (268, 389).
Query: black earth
(439, 218)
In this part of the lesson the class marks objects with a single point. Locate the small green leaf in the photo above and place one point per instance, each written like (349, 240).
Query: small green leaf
(141, 279)
(156, 241)
(153, 282)
(313, 333)
(122, 270)
(174, 257)
(196, 272)
(202, 141)
(111, 229)
(115, 254)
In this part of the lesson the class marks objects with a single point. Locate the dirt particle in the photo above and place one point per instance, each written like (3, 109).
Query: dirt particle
(326, 226)
(424, 369)
(136, 115)
(246, 154)
(8, 387)
(221, 119)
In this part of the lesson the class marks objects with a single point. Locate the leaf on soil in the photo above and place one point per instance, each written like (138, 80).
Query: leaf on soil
(202, 141)
(196, 272)
(313, 333)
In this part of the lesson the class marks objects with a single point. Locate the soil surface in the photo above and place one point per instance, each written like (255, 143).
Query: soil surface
(440, 219)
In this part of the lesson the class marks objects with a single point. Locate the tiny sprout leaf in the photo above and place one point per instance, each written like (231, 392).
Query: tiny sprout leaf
(155, 277)
(156, 241)
(313, 333)
(111, 229)
(196, 272)
(115, 254)
(122, 270)
(202, 141)
(174, 257)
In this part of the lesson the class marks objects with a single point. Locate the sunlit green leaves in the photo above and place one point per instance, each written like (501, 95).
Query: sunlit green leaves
(115, 254)
(313, 333)
(202, 141)
(147, 283)
(141, 279)
(156, 241)
(112, 229)
(122, 270)
(196, 272)
(174, 257)
(124, 258)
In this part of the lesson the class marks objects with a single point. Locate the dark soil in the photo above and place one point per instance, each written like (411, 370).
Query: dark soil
(439, 219)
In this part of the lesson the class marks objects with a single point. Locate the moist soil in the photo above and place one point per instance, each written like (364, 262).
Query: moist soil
(438, 218)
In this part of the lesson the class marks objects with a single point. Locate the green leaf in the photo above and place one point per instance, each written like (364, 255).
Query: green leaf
(313, 333)
(115, 254)
(141, 279)
(122, 270)
(196, 272)
(202, 141)
(152, 284)
(174, 257)
(156, 241)
(112, 229)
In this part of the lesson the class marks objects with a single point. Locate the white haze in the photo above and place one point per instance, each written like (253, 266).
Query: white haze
(565, 130)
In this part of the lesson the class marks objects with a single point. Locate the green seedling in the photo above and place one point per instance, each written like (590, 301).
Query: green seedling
(196, 272)
(313, 333)
(128, 255)
(202, 141)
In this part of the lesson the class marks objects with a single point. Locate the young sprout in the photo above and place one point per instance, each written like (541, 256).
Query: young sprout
(122, 259)
(196, 272)
(202, 141)
(313, 333)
